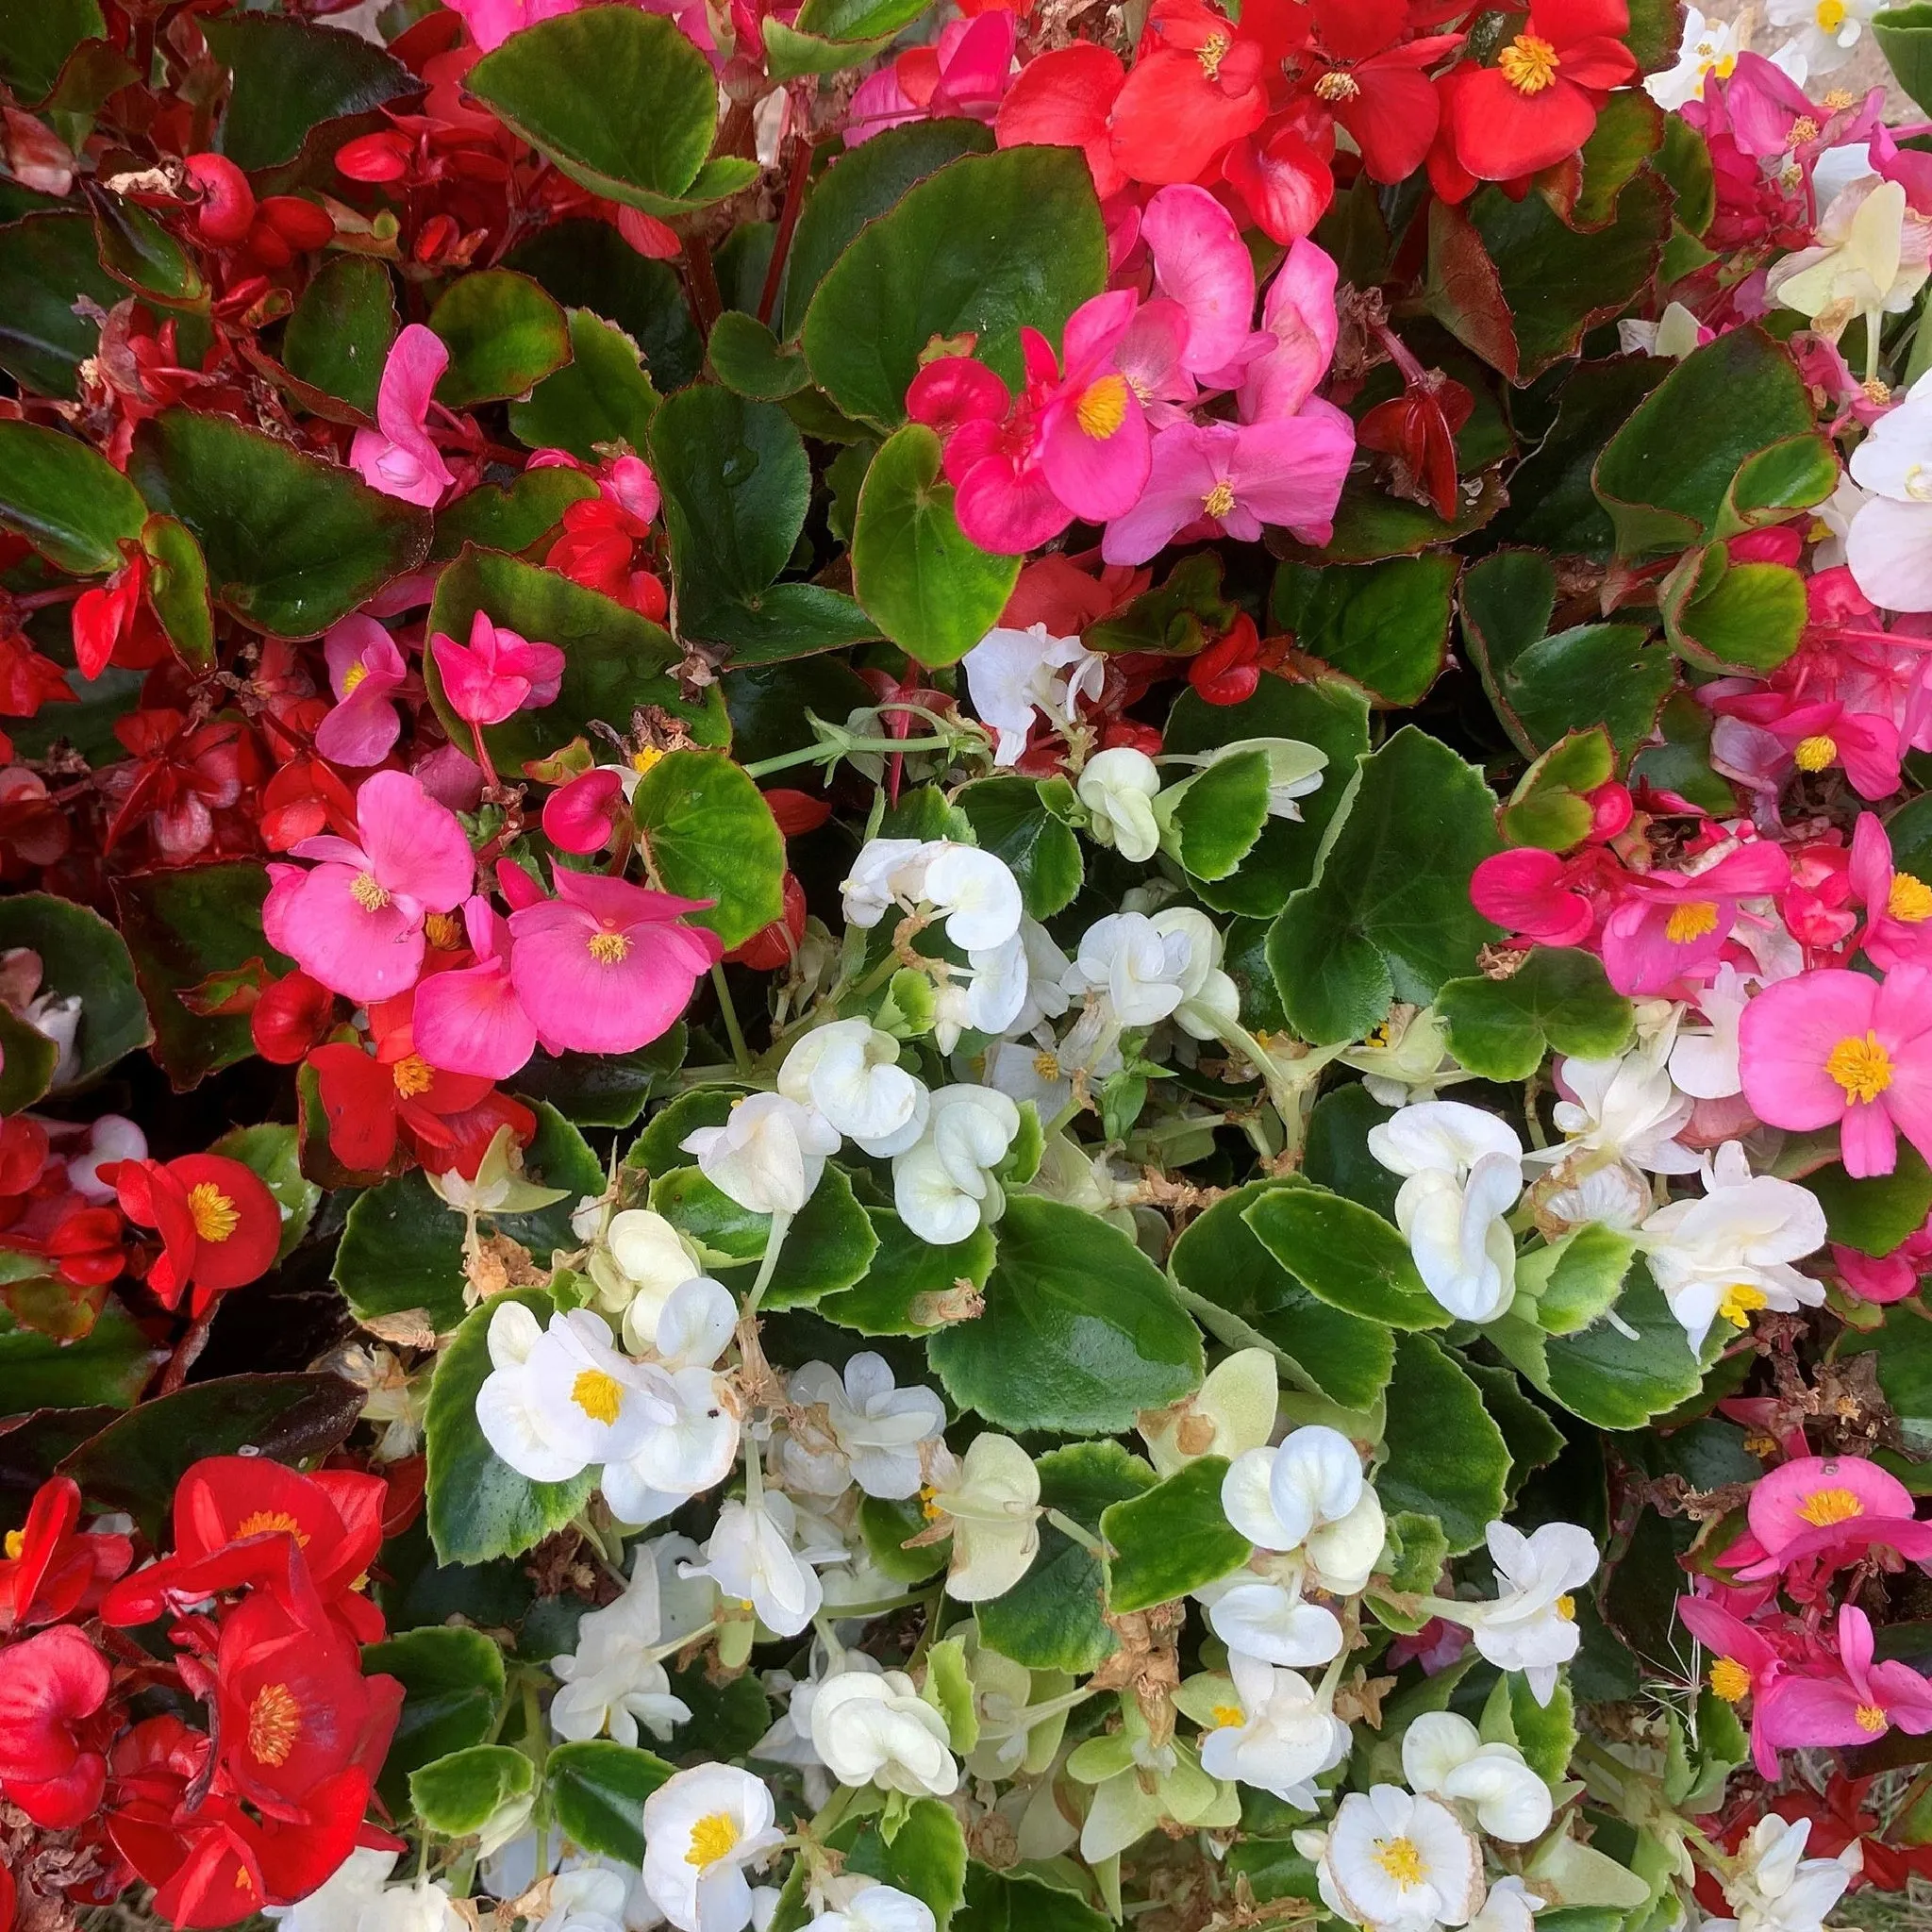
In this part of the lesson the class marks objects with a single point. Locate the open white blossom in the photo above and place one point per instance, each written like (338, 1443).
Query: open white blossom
(1014, 673)
(690, 1446)
(856, 1427)
(1443, 1756)
(1512, 1906)
(1703, 1060)
(1531, 1625)
(1828, 30)
(990, 1499)
(1889, 545)
(1777, 1888)
(875, 1907)
(616, 1680)
(1622, 1110)
(877, 1730)
(1270, 1728)
(1708, 47)
(703, 1827)
(769, 1156)
(849, 1073)
(944, 1186)
(976, 894)
(752, 1556)
(1398, 1863)
(1117, 789)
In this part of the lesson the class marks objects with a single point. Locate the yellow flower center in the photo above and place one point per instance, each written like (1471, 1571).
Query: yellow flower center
(1219, 501)
(1565, 1607)
(712, 1838)
(1102, 411)
(600, 1396)
(368, 892)
(1046, 1063)
(1742, 1301)
(1211, 52)
(274, 1721)
(1691, 921)
(930, 1502)
(1869, 1717)
(1910, 899)
(214, 1215)
(413, 1075)
(644, 758)
(1730, 1680)
(1399, 1858)
(608, 948)
(263, 1521)
(1814, 754)
(15, 1545)
(1529, 64)
(1227, 1716)
(353, 677)
(1829, 14)
(1335, 87)
(1803, 129)
(1838, 99)
(1861, 1067)
(1823, 1507)
(444, 931)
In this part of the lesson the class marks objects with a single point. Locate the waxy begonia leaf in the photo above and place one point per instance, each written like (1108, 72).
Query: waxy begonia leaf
(339, 337)
(598, 1790)
(453, 1683)
(142, 255)
(746, 357)
(520, 519)
(1384, 624)
(1387, 916)
(68, 502)
(1371, 524)
(1171, 1540)
(711, 835)
(1905, 38)
(1253, 1301)
(28, 1060)
(927, 586)
(1013, 1902)
(460, 1794)
(828, 35)
(110, 1365)
(1550, 805)
(1559, 1000)
(1446, 1458)
(48, 263)
(273, 1153)
(1014, 825)
(659, 1147)
(1575, 1280)
(588, 264)
(36, 37)
(177, 589)
(603, 1089)
(602, 396)
(1213, 819)
(909, 1281)
(1080, 1332)
(1345, 1255)
(987, 244)
(1903, 1359)
(401, 1253)
(292, 76)
(1872, 1215)
(621, 100)
(1534, 1440)
(1730, 617)
(504, 336)
(1336, 1153)
(1629, 129)
(829, 1246)
(1544, 1733)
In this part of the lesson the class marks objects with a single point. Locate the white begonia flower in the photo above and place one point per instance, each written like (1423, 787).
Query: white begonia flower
(990, 1000)
(1622, 1110)
(769, 1156)
(588, 1898)
(1046, 966)
(1464, 1172)
(875, 1907)
(1777, 1888)
(1209, 999)
(1270, 1622)
(887, 872)
(561, 1398)
(639, 1260)
(1674, 334)
(1869, 256)
(1118, 788)
(411, 1908)
(336, 1904)
(1730, 1254)
(1703, 1060)
(691, 1449)
(1275, 1497)
(943, 1188)
(702, 1828)
(1405, 1059)
(1144, 969)
(1443, 1756)
(1014, 673)
(1273, 1732)
(616, 1680)
(877, 1730)
(1399, 1863)
(859, 1427)
(1231, 1413)
(990, 1499)
(751, 1557)
(1889, 545)
(1531, 1625)
(848, 1073)
(1708, 46)
(1512, 1906)
(1828, 29)
(976, 894)
(1836, 515)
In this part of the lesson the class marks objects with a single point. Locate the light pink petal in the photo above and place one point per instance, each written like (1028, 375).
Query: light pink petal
(415, 845)
(1778, 1498)
(1182, 473)
(1798, 1712)
(591, 1004)
(362, 954)
(362, 729)
(1096, 477)
(358, 640)
(1785, 1036)
(1291, 472)
(1868, 1141)
(1300, 313)
(1200, 261)
(617, 902)
(471, 1022)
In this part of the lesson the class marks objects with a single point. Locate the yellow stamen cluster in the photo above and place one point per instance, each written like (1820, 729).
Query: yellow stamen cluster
(1399, 1858)
(1823, 1507)
(263, 1521)
(1529, 64)
(712, 1838)
(1730, 1680)
(1742, 1301)
(1690, 922)
(1910, 898)
(368, 891)
(608, 948)
(1813, 754)
(1103, 409)
(600, 1396)
(214, 1215)
(413, 1075)
(1219, 501)
(274, 1723)
(1861, 1067)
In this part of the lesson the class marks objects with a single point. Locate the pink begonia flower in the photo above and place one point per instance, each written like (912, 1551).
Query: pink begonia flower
(1673, 926)
(1898, 905)
(1811, 738)
(1835, 1047)
(397, 457)
(579, 815)
(1826, 1511)
(497, 673)
(605, 967)
(1094, 441)
(1527, 891)
(1150, 358)
(1885, 1278)
(469, 1019)
(1745, 1664)
(366, 671)
(493, 22)
(1002, 498)
(356, 922)
(1860, 1701)
(965, 74)
(451, 776)
(1201, 262)
(1299, 312)
(1766, 107)
(1235, 480)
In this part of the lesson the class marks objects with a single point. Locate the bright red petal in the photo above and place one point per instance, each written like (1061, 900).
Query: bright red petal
(1501, 134)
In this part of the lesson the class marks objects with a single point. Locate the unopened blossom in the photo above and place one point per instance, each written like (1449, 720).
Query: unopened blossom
(944, 1186)
(1443, 1756)
(877, 1730)
(769, 1156)
(703, 1827)
(857, 1426)
(875, 1907)
(1117, 789)
(615, 1680)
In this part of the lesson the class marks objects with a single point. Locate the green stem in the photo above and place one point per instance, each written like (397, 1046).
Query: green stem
(1077, 1532)
(815, 754)
(740, 1053)
(781, 1227)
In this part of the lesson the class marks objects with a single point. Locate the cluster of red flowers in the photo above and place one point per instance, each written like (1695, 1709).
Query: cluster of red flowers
(261, 1600)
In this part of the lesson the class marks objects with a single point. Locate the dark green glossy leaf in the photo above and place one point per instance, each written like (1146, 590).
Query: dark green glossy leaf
(289, 76)
(598, 1790)
(829, 1246)
(516, 519)
(588, 264)
(1171, 1539)
(711, 835)
(603, 397)
(1560, 1000)
(1345, 1255)
(907, 1277)
(68, 502)
(1384, 624)
(1446, 1458)
(504, 335)
(745, 355)
(1014, 825)
(109, 1366)
(47, 264)
(37, 37)
(339, 337)
(453, 1684)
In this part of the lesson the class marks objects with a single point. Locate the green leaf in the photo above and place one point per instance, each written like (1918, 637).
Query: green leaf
(339, 338)
(515, 518)
(504, 336)
(602, 396)
(1345, 1255)
(1013, 824)
(711, 835)
(907, 1276)
(1011, 1902)
(1723, 616)
(1544, 1733)
(460, 1794)
(789, 54)
(137, 1462)
(1575, 1280)
(1213, 819)
(140, 254)
(588, 264)
(621, 100)
(829, 1246)
(598, 1790)
(1629, 129)
(1873, 1215)
(1545, 687)
(1387, 916)
(273, 1153)
(1905, 38)
(928, 587)
(614, 662)
(1080, 1332)
(1534, 1441)
(1384, 624)
(181, 927)
(453, 1684)
(987, 244)
(37, 36)
(659, 1147)
(1171, 1539)
(289, 77)
(1560, 1000)
(925, 1856)
(480, 1507)
(863, 183)
(47, 264)
(108, 1365)
(70, 503)
(888, 1527)
(402, 1251)
(28, 1060)
(596, 1090)
(293, 543)
(1052, 1620)
(1446, 1458)
(1218, 1260)
(745, 355)
(177, 589)
(82, 957)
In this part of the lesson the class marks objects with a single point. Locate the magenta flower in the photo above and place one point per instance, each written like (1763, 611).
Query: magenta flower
(469, 1019)
(1529, 892)
(366, 671)
(1835, 1047)
(605, 967)
(1237, 478)
(966, 74)
(579, 815)
(1201, 262)
(497, 673)
(493, 22)
(354, 923)
(1860, 1701)
(1829, 1512)
(1002, 498)
(1675, 925)
(1745, 1663)
(1299, 313)
(1898, 906)
(1093, 442)
(397, 457)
